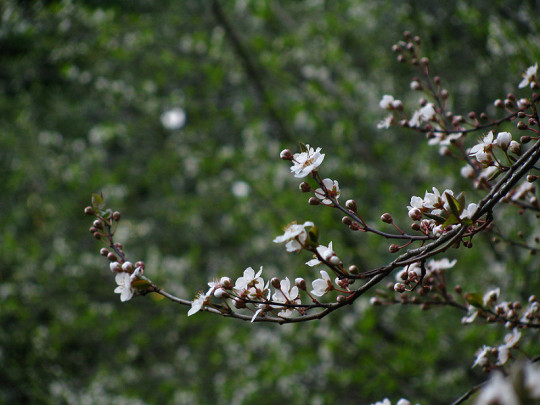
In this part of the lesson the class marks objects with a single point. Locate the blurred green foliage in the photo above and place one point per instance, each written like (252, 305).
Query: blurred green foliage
(83, 85)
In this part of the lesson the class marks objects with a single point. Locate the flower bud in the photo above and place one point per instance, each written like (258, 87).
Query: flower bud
(275, 282)
(89, 211)
(399, 287)
(112, 257)
(104, 252)
(424, 61)
(515, 147)
(116, 216)
(498, 103)
(525, 139)
(393, 248)
(416, 85)
(353, 269)
(286, 154)
(522, 126)
(444, 94)
(437, 80)
(300, 283)
(341, 298)
(415, 214)
(504, 139)
(226, 282)
(127, 267)
(140, 264)
(415, 226)
(532, 122)
(375, 301)
(221, 293)
(97, 224)
(467, 172)
(386, 218)
(313, 201)
(531, 178)
(508, 103)
(346, 220)
(351, 204)
(239, 304)
(304, 187)
(97, 235)
(115, 267)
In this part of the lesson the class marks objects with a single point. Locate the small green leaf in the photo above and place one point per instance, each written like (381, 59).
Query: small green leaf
(455, 207)
(475, 299)
(140, 284)
(451, 220)
(313, 235)
(98, 203)
(461, 200)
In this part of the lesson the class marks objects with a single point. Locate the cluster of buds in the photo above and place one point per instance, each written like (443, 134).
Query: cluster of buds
(512, 314)
(128, 276)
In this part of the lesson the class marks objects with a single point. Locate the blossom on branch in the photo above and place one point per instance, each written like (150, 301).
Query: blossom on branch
(295, 235)
(287, 295)
(322, 285)
(306, 162)
(328, 255)
(529, 77)
(124, 288)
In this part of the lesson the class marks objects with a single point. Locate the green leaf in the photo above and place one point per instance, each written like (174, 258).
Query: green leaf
(439, 219)
(98, 203)
(455, 207)
(475, 299)
(451, 220)
(313, 235)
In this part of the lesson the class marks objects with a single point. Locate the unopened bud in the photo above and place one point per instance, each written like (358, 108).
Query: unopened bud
(97, 224)
(346, 221)
(472, 115)
(532, 122)
(353, 269)
(226, 282)
(393, 248)
(375, 301)
(304, 187)
(522, 126)
(407, 34)
(221, 293)
(112, 257)
(239, 304)
(515, 147)
(387, 218)
(286, 154)
(127, 267)
(531, 178)
(424, 61)
(444, 94)
(97, 235)
(483, 116)
(115, 267)
(341, 298)
(300, 283)
(89, 211)
(498, 103)
(104, 252)
(521, 115)
(275, 282)
(508, 103)
(525, 139)
(140, 264)
(415, 85)
(437, 80)
(399, 287)
(313, 201)
(116, 216)
(351, 204)
(415, 226)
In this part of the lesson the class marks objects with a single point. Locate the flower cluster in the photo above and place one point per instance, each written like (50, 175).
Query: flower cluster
(502, 352)
(126, 275)
(305, 162)
(522, 386)
(409, 276)
(442, 211)
(513, 314)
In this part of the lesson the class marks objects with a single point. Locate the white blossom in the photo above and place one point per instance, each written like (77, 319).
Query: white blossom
(328, 255)
(332, 187)
(426, 113)
(482, 150)
(532, 379)
(200, 301)
(504, 139)
(305, 162)
(250, 283)
(491, 296)
(124, 288)
(469, 211)
(287, 295)
(482, 356)
(510, 341)
(322, 285)
(295, 235)
(442, 264)
(467, 172)
(499, 390)
(386, 102)
(529, 77)
(386, 122)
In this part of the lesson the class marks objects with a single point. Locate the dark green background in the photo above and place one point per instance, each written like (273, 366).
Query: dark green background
(82, 88)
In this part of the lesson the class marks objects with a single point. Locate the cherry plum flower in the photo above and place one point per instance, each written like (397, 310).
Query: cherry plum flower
(200, 301)
(332, 188)
(286, 295)
(124, 288)
(328, 255)
(424, 114)
(295, 235)
(250, 283)
(529, 77)
(306, 162)
(322, 285)
(482, 150)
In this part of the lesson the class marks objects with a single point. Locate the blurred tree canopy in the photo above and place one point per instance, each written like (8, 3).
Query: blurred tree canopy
(85, 87)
